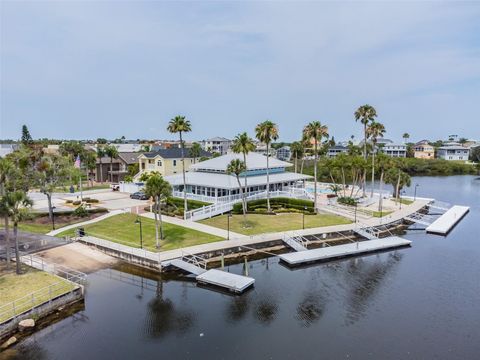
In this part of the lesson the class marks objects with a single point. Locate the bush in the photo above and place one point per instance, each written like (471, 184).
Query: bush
(69, 201)
(347, 201)
(192, 204)
(80, 212)
(277, 204)
(76, 202)
(91, 201)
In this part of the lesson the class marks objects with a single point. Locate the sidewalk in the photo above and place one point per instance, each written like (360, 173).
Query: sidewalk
(196, 226)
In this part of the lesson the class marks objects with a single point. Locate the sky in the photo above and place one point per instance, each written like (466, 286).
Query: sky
(119, 68)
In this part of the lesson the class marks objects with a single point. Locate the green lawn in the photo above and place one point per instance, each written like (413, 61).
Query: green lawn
(16, 287)
(122, 229)
(260, 223)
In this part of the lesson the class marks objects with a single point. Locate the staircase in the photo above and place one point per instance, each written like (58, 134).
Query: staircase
(296, 242)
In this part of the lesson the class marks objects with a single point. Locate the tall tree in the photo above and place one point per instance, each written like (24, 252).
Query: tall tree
(19, 204)
(267, 132)
(366, 114)
(180, 125)
(195, 151)
(237, 167)
(90, 161)
(158, 189)
(243, 144)
(8, 173)
(405, 137)
(297, 151)
(384, 163)
(375, 130)
(316, 131)
(112, 152)
(100, 155)
(26, 137)
(398, 179)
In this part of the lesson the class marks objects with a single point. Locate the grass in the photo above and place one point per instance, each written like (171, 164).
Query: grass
(122, 229)
(381, 214)
(17, 287)
(259, 223)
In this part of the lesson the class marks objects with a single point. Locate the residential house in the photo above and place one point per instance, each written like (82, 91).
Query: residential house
(209, 181)
(166, 161)
(120, 167)
(333, 151)
(217, 144)
(262, 149)
(388, 147)
(284, 153)
(453, 151)
(423, 150)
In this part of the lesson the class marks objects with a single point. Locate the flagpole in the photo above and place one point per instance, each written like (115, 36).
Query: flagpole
(81, 190)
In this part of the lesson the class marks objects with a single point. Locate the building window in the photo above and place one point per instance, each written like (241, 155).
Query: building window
(159, 163)
(174, 162)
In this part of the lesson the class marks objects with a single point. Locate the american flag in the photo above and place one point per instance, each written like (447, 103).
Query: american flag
(77, 162)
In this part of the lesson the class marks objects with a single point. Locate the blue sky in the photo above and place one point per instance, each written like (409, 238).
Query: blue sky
(106, 69)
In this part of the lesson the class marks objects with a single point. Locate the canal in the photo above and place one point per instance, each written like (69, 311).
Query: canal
(421, 302)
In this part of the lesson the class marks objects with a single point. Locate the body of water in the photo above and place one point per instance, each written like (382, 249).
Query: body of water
(421, 302)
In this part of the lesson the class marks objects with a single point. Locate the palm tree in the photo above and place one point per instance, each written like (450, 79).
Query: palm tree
(405, 137)
(297, 151)
(316, 131)
(8, 172)
(243, 144)
(375, 130)
(195, 151)
(266, 132)
(306, 145)
(112, 152)
(180, 125)
(18, 203)
(384, 162)
(159, 189)
(100, 155)
(366, 114)
(236, 166)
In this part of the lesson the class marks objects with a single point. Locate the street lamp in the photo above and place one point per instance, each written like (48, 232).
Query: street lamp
(356, 211)
(53, 217)
(303, 221)
(415, 193)
(138, 221)
(229, 215)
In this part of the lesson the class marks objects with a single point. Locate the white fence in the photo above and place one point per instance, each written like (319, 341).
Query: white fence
(220, 208)
(55, 269)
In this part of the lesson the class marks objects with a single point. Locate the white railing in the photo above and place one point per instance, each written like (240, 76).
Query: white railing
(36, 298)
(220, 208)
(194, 260)
(55, 269)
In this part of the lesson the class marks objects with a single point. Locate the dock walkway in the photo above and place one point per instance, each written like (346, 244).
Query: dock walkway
(448, 220)
(332, 252)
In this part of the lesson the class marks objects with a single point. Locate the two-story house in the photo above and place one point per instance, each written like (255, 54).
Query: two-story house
(453, 151)
(217, 144)
(423, 150)
(166, 161)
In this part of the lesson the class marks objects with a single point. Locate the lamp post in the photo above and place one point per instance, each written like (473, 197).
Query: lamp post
(138, 221)
(355, 211)
(415, 193)
(303, 220)
(53, 217)
(229, 215)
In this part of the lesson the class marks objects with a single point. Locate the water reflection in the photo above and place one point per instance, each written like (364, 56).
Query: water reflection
(266, 310)
(311, 308)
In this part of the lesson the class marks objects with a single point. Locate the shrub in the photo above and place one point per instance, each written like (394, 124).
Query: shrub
(192, 204)
(347, 201)
(68, 201)
(91, 201)
(76, 202)
(80, 212)
(277, 204)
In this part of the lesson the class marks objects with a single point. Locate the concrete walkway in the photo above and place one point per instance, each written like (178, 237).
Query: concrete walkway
(196, 226)
(74, 226)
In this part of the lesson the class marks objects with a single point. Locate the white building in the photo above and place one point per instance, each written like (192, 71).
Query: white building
(217, 144)
(209, 181)
(333, 151)
(388, 147)
(284, 153)
(453, 152)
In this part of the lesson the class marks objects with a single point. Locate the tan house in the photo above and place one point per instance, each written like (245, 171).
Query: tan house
(423, 150)
(166, 161)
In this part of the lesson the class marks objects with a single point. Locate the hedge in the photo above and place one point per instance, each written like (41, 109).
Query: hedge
(279, 204)
(69, 212)
(192, 204)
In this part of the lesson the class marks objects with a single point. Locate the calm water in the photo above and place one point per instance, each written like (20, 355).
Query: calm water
(417, 303)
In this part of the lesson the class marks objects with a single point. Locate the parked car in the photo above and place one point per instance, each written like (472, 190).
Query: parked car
(139, 196)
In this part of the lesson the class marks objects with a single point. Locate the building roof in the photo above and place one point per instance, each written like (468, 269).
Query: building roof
(174, 153)
(254, 161)
(129, 157)
(225, 181)
(217, 138)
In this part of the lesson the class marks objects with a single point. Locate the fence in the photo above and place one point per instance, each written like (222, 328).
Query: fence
(47, 294)
(59, 270)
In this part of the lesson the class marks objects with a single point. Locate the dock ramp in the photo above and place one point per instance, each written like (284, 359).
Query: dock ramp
(296, 242)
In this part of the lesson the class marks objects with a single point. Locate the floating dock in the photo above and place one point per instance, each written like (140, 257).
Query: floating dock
(447, 221)
(332, 252)
(232, 282)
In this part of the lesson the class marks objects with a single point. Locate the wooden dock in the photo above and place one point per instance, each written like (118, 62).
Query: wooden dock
(226, 280)
(447, 221)
(332, 252)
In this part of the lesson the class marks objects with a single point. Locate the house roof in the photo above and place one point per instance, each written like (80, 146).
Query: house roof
(173, 153)
(217, 138)
(129, 157)
(225, 181)
(254, 161)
